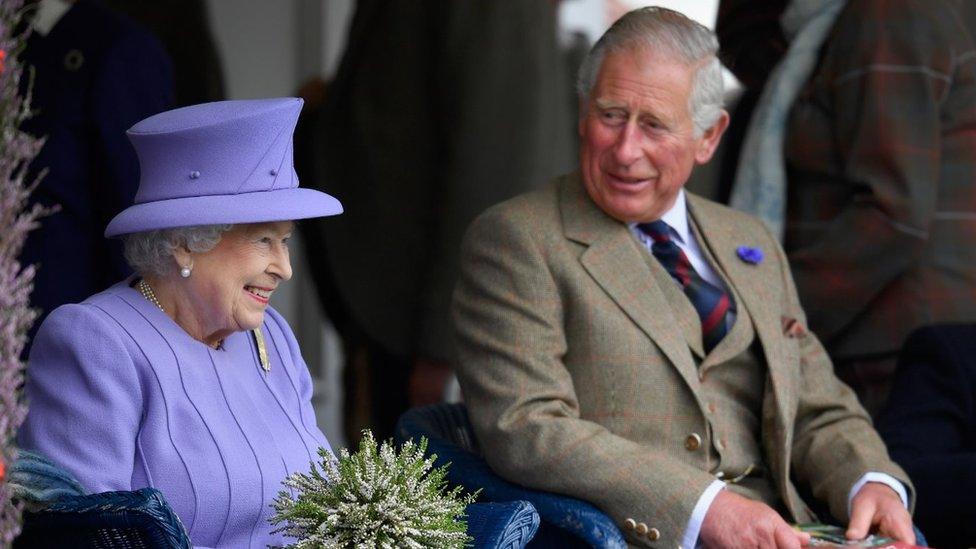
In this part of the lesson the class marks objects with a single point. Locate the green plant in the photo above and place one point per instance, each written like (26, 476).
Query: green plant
(373, 498)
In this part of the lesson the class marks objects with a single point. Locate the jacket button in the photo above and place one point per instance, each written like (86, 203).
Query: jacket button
(630, 524)
(653, 534)
(641, 529)
(693, 442)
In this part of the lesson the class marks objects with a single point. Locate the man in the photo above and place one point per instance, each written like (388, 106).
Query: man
(690, 412)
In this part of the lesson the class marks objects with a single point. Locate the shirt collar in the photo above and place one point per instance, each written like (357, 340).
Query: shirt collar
(676, 218)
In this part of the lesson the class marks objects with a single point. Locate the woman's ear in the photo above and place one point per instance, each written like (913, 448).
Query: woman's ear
(182, 256)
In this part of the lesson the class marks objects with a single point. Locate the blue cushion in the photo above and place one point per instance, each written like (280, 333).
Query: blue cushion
(566, 521)
(37, 481)
(502, 525)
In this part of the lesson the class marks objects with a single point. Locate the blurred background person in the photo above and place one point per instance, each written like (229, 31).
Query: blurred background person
(185, 30)
(438, 110)
(929, 425)
(96, 73)
(752, 43)
(860, 154)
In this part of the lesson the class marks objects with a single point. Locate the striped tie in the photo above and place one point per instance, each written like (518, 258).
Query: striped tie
(711, 303)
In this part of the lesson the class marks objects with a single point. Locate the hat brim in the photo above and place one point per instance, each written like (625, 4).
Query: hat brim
(254, 207)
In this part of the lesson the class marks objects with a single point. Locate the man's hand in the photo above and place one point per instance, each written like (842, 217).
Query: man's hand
(877, 505)
(734, 521)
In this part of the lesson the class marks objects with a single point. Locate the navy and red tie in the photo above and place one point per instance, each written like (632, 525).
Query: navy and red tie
(712, 303)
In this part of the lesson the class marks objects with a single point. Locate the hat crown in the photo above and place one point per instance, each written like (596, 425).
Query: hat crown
(212, 149)
(219, 163)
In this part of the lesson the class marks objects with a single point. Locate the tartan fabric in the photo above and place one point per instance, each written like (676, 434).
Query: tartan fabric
(579, 379)
(711, 303)
(881, 159)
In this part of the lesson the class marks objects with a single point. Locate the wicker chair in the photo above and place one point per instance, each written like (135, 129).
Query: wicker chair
(60, 514)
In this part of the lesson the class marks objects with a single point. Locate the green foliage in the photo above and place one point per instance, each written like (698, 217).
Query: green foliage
(372, 499)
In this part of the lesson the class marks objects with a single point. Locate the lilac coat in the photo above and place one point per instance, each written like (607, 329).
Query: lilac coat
(123, 398)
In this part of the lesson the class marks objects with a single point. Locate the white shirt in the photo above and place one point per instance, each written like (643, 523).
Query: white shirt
(677, 220)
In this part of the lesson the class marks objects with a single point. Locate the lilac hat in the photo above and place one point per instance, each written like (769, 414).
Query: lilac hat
(216, 163)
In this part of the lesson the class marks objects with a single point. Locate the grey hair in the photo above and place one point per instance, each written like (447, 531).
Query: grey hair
(151, 252)
(655, 29)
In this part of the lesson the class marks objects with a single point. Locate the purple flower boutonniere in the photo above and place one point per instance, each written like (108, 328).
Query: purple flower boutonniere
(753, 256)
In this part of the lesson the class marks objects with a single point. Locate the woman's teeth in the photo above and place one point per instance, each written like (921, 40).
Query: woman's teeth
(263, 294)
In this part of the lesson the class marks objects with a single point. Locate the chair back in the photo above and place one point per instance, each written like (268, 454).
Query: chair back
(442, 422)
(60, 514)
(110, 520)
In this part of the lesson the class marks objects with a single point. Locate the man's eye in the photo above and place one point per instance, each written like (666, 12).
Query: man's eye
(614, 117)
(652, 124)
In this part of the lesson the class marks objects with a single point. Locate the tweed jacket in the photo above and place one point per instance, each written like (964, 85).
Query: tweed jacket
(879, 149)
(579, 380)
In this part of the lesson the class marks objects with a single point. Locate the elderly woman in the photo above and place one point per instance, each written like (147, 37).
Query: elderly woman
(182, 377)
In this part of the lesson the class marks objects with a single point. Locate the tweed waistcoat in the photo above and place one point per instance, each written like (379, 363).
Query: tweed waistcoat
(733, 378)
(732, 390)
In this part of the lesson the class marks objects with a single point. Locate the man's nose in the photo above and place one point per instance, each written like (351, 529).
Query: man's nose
(627, 149)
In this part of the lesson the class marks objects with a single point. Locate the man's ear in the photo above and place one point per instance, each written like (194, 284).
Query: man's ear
(709, 140)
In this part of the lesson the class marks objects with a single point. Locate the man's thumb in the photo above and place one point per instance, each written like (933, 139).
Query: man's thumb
(860, 521)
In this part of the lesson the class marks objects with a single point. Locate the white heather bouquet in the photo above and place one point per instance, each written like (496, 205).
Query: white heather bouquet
(17, 150)
(373, 499)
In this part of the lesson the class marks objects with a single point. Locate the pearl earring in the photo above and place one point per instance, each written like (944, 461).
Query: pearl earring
(185, 271)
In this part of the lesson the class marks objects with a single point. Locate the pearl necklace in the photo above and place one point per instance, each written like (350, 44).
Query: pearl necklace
(147, 292)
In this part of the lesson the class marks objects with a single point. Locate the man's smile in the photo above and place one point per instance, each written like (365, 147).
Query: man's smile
(629, 184)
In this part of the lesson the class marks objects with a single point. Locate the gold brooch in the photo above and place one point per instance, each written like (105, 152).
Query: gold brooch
(262, 350)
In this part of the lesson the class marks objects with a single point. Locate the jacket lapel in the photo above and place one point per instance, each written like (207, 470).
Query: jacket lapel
(614, 259)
